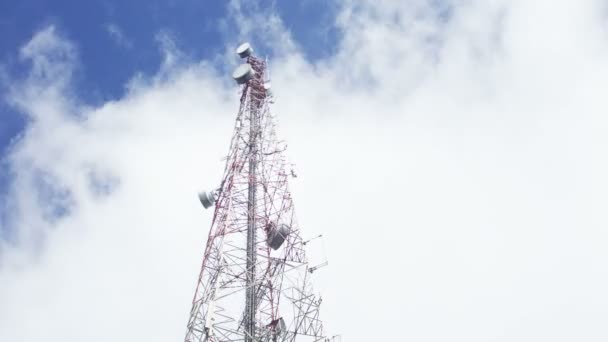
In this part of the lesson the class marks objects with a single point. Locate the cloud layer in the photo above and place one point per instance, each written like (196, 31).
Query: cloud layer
(451, 153)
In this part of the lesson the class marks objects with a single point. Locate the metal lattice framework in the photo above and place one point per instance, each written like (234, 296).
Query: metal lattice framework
(254, 283)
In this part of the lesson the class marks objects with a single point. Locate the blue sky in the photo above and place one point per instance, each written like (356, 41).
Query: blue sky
(453, 150)
(117, 39)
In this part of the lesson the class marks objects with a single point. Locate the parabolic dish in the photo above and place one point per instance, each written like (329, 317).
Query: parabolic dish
(244, 50)
(243, 73)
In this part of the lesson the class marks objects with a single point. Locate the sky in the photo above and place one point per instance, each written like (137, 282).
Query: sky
(117, 40)
(451, 152)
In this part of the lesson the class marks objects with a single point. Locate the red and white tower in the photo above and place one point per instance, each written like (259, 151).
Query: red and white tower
(254, 283)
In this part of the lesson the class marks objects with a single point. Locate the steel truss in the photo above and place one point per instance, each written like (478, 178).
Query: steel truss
(247, 290)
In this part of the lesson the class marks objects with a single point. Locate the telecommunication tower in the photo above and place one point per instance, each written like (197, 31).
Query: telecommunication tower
(254, 283)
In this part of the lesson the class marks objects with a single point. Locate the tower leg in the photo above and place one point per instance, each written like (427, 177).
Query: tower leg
(250, 305)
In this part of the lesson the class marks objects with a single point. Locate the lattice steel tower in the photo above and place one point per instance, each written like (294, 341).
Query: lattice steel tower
(254, 283)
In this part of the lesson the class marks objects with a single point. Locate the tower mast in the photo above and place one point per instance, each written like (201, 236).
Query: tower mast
(254, 254)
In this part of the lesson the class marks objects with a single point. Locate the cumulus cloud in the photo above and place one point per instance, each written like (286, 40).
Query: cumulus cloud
(453, 155)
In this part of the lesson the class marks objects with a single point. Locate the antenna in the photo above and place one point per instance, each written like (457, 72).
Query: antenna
(255, 280)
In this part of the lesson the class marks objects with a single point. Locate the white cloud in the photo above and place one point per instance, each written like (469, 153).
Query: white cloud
(118, 35)
(457, 169)
(172, 57)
